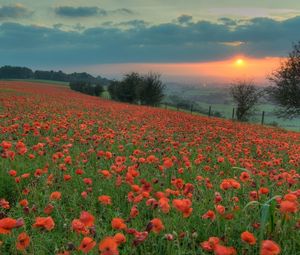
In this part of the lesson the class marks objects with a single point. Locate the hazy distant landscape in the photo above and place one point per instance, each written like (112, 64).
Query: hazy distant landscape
(219, 99)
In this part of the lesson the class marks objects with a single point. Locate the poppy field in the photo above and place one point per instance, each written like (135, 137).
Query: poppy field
(84, 175)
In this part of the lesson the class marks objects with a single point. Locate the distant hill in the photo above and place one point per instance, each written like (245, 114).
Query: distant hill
(16, 72)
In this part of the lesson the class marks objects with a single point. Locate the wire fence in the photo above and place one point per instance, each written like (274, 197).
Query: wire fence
(263, 117)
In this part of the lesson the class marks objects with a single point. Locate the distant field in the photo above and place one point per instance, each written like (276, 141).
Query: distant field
(220, 101)
(41, 81)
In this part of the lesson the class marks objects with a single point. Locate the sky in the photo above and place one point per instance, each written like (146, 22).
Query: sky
(192, 40)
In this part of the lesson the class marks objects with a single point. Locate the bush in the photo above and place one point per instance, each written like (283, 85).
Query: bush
(134, 88)
(87, 88)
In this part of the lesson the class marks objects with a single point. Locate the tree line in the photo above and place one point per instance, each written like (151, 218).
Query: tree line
(86, 87)
(16, 72)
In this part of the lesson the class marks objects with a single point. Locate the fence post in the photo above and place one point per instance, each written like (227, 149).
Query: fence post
(263, 117)
(209, 111)
(232, 113)
(191, 108)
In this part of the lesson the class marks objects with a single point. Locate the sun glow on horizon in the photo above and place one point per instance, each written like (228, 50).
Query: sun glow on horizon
(240, 62)
(223, 71)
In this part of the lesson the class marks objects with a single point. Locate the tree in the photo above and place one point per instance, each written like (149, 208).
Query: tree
(151, 92)
(135, 88)
(113, 89)
(15, 72)
(87, 87)
(246, 95)
(130, 88)
(285, 91)
(98, 89)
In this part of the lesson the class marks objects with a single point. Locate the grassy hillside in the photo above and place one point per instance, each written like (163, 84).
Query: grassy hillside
(80, 174)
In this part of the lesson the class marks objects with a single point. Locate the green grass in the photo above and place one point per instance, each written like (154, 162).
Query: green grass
(62, 83)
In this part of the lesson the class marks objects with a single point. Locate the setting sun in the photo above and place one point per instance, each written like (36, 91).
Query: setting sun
(239, 62)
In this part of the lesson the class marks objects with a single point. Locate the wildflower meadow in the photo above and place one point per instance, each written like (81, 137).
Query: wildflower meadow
(85, 175)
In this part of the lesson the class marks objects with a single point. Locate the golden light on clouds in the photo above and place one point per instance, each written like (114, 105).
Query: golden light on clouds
(233, 44)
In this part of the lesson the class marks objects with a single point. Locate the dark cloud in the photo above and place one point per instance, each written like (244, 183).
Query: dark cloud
(84, 11)
(14, 12)
(169, 42)
(133, 23)
(68, 11)
(122, 11)
(228, 21)
(183, 19)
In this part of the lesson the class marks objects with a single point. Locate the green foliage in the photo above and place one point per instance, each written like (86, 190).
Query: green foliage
(10, 72)
(16, 72)
(285, 91)
(152, 90)
(135, 88)
(8, 187)
(87, 88)
(246, 96)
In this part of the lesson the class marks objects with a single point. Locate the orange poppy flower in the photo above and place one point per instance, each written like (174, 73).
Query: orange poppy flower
(23, 241)
(105, 200)
(4, 204)
(210, 244)
(44, 222)
(87, 219)
(157, 225)
(118, 223)
(79, 227)
(87, 244)
(168, 163)
(223, 250)
(248, 238)
(119, 238)
(269, 247)
(108, 246)
(220, 209)
(287, 206)
(184, 206)
(55, 195)
(48, 209)
(134, 212)
(24, 202)
(209, 215)
(164, 204)
(7, 224)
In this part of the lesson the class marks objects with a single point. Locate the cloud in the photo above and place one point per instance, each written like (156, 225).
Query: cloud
(122, 11)
(251, 12)
(233, 44)
(184, 19)
(132, 23)
(90, 11)
(14, 12)
(68, 11)
(140, 42)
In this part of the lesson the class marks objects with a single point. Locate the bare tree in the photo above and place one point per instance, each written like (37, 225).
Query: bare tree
(286, 89)
(245, 95)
